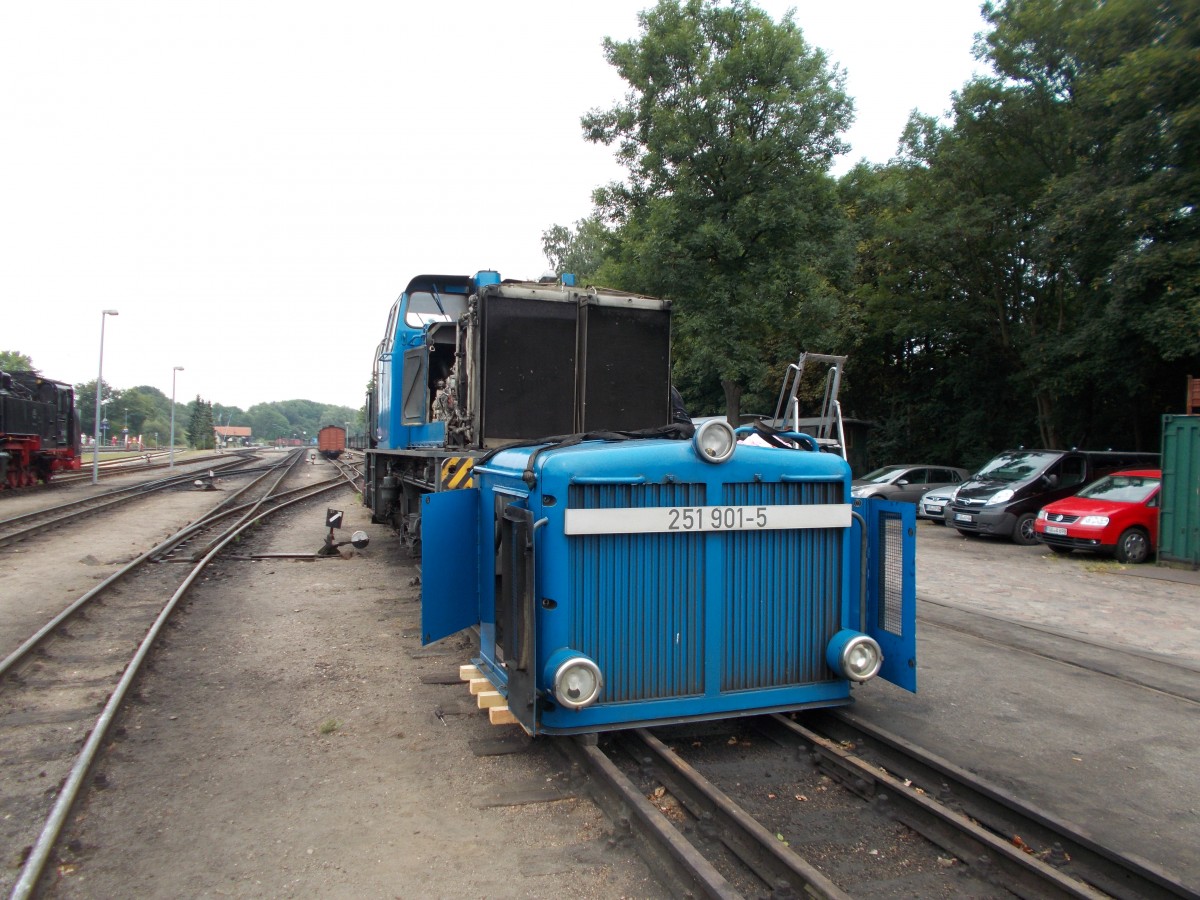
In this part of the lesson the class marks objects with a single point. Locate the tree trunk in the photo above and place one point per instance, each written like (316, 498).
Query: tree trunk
(1046, 425)
(733, 401)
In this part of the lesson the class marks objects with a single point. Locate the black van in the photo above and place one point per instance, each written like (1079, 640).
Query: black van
(1003, 498)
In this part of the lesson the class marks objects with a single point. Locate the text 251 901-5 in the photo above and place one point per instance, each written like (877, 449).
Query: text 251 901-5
(716, 518)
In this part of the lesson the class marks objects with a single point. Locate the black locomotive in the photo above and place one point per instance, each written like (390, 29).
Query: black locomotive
(39, 429)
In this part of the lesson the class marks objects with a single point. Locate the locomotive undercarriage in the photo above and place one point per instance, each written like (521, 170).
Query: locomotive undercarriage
(22, 465)
(400, 481)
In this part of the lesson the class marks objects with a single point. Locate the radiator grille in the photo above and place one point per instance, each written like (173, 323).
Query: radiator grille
(638, 608)
(640, 601)
(891, 574)
(783, 588)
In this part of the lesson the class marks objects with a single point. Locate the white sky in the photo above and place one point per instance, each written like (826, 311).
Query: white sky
(251, 184)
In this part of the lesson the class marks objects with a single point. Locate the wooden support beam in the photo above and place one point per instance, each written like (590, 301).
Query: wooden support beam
(499, 715)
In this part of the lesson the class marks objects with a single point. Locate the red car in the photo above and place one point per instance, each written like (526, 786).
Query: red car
(1117, 515)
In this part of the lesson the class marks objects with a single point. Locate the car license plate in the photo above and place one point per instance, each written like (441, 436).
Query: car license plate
(962, 517)
(930, 508)
(1056, 529)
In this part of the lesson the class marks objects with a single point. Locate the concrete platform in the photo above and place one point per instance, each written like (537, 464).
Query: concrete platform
(1072, 682)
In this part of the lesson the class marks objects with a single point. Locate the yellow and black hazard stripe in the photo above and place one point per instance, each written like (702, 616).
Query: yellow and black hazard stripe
(456, 473)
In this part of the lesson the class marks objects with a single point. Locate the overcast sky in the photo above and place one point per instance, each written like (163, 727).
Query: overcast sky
(251, 184)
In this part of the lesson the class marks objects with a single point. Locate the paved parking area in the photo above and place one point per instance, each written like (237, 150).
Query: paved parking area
(1150, 608)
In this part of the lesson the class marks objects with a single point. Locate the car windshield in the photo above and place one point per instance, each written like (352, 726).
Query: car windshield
(1122, 488)
(1016, 466)
(886, 475)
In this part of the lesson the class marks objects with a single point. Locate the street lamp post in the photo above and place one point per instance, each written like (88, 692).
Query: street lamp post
(173, 371)
(104, 313)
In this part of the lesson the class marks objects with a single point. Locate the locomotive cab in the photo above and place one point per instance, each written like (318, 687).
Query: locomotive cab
(470, 364)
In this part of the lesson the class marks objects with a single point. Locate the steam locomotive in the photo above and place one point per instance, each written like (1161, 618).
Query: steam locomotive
(620, 569)
(39, 429)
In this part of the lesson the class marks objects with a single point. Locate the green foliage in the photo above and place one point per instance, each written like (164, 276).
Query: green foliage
(85, 403)
(138, 406)
(728, 130)
(12, 361)
(580, 251)
(298, 419)
(267, 423)
(1027, 272)
(148, 412)
(200, 433)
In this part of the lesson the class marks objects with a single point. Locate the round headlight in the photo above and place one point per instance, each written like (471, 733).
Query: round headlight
(714, 441)
(577, 682)
(857, 656)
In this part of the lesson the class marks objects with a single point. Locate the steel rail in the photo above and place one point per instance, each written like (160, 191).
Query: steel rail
(129, 465)
(1023, 874)
(36, 861)
(662, 847)
(94, 503)
(158, 550)
(1117, 874)
(282, 470)
(761, 851)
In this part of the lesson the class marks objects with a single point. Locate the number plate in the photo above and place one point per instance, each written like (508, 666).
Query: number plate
(930, 508)
(962, 517)
(1055, 529)
(697, 519)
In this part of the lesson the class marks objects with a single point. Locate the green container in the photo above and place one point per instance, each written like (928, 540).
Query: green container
(1179, 518)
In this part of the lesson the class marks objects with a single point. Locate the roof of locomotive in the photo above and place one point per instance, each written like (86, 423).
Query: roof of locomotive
(656, 455)
(27, 379)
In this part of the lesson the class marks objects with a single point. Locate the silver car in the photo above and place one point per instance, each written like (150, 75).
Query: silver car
(933, 504)
(906, 483)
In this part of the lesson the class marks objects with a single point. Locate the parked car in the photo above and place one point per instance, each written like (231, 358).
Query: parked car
(905, 483)
(1004, 497)
(933, 504)
(1117, 515)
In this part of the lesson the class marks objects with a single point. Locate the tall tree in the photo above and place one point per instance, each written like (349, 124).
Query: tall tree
(12, 361)
(728, 130)
(580, 250)
(201, 435)
(267, 423)
(85, 403)
(1041, 245)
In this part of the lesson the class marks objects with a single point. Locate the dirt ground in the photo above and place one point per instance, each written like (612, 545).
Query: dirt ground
(285, 744)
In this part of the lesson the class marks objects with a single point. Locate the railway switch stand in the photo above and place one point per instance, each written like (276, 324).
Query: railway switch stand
(333, 521)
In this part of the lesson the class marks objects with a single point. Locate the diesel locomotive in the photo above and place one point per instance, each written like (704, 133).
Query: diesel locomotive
(621, 569)
(39, 429)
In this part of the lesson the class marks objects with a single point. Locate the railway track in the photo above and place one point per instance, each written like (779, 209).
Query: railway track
(143, 462)
(81, 661)
(828, 807)
(20, 527)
